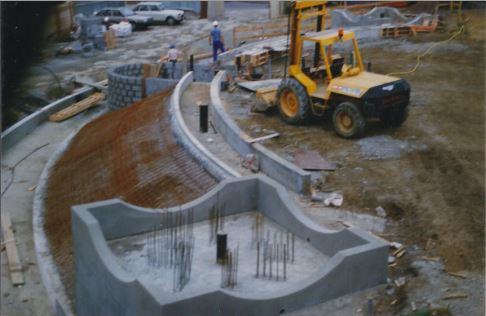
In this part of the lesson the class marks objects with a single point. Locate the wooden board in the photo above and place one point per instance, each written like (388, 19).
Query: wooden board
(14, 264)
(77, 107)
(110, 39)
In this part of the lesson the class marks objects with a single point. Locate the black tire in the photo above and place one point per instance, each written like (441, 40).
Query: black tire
(170, 21)
(394, 118)
(348, 120)
(134, 26)
(303, 111)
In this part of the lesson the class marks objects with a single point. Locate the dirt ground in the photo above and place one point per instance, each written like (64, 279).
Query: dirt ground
(428, 175)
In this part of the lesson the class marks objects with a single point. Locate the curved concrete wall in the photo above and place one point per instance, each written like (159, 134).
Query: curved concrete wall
(103, 287)
(25, 126)
(211, 163)
(126, 85)
(271, 164)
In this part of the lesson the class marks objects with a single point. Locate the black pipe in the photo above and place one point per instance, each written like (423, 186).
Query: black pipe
(221, 247)
(203, 118)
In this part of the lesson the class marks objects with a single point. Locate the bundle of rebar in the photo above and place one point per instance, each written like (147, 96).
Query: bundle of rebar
(273, 256)
(171, 245)
(229, 268)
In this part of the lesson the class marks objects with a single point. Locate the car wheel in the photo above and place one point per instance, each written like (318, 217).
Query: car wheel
(170, 21)
(134, 26)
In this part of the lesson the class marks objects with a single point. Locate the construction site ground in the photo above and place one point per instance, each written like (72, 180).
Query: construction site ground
(428, 175)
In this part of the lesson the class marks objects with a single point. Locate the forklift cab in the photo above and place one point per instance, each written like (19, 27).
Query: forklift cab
(332, 59)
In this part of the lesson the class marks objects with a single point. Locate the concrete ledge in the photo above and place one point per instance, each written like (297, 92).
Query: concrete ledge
(358, 260)
(25, 126)
(183, 135)
(271, 164)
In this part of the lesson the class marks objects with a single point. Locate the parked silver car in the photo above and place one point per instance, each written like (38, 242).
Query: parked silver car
(159, 12)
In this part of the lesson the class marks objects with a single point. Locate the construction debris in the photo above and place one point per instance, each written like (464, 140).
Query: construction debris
(262, 138)
(380, 211)
(457, 275)
(312, 160)
(400, 281)
(254, 86)
(265, 98)
(335, 199)
(455, 295)
(14, 265)
(251, 162)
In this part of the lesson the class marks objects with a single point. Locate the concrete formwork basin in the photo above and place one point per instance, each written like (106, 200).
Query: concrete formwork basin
(114, 275)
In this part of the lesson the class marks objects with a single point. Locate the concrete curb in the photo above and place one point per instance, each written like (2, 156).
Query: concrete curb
(271, 164)
(183, 135)
(25, 126)
(357, 260)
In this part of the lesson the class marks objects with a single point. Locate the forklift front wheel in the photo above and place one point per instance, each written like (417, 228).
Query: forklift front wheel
(293, 102)
(348, 120)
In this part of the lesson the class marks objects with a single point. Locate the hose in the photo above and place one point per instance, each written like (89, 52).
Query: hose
(419, 57)
(53, 74)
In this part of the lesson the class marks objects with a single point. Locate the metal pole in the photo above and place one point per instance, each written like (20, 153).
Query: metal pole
(258, 259)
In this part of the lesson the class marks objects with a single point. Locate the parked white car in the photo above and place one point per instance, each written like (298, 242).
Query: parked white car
(159, 12)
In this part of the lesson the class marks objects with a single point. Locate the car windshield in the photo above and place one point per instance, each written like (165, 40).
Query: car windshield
(126, 12)
(161, 6)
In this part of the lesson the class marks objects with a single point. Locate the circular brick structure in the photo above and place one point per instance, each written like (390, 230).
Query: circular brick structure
(126, 85)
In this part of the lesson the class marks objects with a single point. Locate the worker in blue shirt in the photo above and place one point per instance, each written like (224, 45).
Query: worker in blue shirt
(216, 39)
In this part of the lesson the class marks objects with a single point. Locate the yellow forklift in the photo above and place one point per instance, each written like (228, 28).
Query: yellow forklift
(352, 94)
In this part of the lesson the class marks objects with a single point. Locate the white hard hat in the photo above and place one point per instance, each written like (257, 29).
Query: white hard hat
(215, 23)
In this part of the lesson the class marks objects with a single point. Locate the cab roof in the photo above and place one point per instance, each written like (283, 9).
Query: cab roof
(327, 37)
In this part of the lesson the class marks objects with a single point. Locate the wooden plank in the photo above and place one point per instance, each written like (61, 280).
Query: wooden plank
(454, 296)
(77, 107)
(259, 139)
(14, 265)
(110, 39)
(457, 275)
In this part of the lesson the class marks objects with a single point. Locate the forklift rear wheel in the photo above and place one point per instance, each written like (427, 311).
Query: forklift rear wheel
(348, 120)
(293, 102)
(394, 118)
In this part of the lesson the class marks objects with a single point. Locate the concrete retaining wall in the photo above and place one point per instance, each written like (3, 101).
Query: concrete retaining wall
(271, 164)
(25, 126)
(358, 260)
(156, 85)
(184, 136)
(126, 85)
